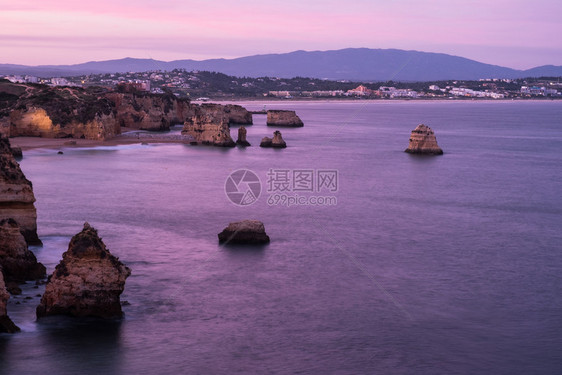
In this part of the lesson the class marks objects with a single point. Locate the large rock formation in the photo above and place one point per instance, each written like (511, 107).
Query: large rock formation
(18, 262)
(277, 117)
(244, 232)
(6, 324)
(145, 111)
(423, 141)
(55, 112)
(242, 137)
(238, 115)
(87, 282)
(275, 142)
(209, 126)
(16, 194)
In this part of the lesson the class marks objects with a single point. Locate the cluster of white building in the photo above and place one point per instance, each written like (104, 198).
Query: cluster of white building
(538, 91)
(57, 81)
(393, 92)
(462, 91)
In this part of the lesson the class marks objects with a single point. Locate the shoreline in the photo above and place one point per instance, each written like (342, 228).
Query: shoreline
(31, 143)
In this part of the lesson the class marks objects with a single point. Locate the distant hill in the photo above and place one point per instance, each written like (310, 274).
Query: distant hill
(358, 64)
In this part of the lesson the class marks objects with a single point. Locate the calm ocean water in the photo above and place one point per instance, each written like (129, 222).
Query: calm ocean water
(426, 265)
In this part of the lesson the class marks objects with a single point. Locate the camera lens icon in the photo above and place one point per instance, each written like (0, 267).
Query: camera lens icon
(243, 187)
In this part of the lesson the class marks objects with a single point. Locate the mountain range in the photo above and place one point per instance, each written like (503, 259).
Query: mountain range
(357, 64)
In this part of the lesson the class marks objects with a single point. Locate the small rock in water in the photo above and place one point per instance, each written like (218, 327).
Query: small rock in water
(60, 153)
(275, 142)
(244, 232)
(423, 141)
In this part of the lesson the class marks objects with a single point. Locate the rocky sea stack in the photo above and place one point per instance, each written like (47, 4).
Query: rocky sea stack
(244, 232)
(6, 324)
(275, 142)
(423, 141)
(210, 126)
(87, 282)
(276, 117)
(18, 262)
(242, 137)
(16, 194)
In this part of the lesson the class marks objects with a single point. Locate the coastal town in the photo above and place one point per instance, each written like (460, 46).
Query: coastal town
(205, 85)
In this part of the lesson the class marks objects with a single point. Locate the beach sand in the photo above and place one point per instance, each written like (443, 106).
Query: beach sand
(28, 143)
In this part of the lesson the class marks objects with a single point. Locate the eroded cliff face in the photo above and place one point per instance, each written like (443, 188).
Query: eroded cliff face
(210, 126)
(6, 324)
(238, 115)
(148, 111)
(18, 262)
(98, 114)
(35, 122)
(56, 112)
(283, 118)
(16, 195)
(423, 141)
(87, 282)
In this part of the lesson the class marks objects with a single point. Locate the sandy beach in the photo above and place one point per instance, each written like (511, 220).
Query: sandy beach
(128, 137)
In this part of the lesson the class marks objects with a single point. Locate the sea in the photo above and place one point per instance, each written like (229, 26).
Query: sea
(380, 262)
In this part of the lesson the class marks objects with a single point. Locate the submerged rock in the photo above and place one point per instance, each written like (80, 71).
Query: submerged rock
(242, 137)
(276, 117)
(244, 232)
(275, 142)
(87, 282)
(18, 262)
(423, 141)
(6, 324)
(16, 194)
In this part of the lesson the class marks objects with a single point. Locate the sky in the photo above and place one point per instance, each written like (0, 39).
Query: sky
(515, 33)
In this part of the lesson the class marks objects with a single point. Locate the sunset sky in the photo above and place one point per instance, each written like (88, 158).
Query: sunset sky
(514, 33)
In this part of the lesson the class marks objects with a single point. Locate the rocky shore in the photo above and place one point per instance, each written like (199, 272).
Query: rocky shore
(98, 114)
(6, 324)
(16, 194)
(17, 261)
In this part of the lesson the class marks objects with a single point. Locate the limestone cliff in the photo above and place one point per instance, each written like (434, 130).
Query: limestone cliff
(6, 324)
(18, 262)
(147, 111)
(283, 118)
(238, 115)
(16, 194)
(55, 112)
(87, 282)
(209, 126)
(423, 141)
